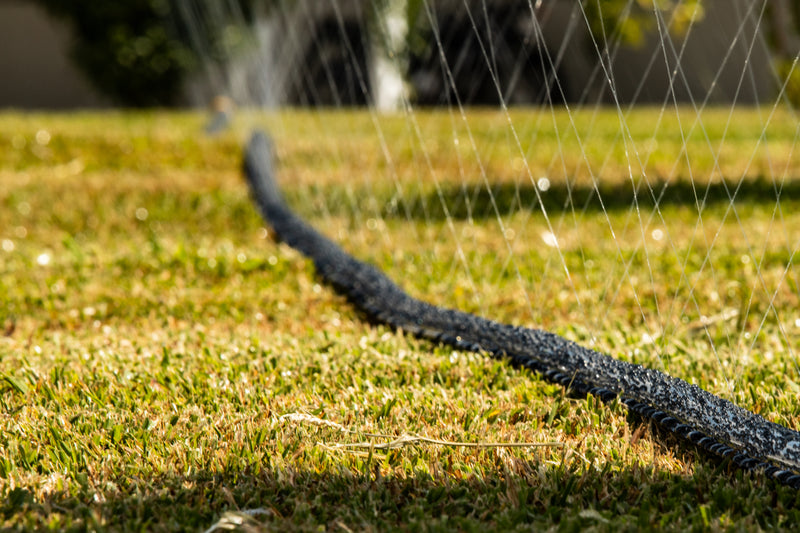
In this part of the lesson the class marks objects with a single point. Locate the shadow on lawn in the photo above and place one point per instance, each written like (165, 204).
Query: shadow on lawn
(510, 198)
(521, 491)
(476, 201)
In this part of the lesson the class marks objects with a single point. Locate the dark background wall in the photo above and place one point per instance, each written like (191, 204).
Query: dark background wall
(34, 67)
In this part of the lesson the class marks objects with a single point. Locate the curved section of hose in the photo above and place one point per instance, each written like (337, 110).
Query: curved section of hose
(712, 423)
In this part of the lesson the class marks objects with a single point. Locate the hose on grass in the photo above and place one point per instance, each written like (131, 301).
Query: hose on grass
(714, 424)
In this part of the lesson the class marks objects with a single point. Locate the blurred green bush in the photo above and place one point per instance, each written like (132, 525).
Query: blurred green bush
(139, 52)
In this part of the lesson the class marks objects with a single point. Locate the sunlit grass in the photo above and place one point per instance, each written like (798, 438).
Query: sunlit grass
(154, 336)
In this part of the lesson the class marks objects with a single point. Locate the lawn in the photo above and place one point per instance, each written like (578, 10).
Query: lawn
(165, 365)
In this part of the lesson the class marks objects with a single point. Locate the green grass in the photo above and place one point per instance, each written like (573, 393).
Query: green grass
(155, 336)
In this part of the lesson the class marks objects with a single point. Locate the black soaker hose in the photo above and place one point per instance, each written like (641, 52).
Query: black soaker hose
(712, 423)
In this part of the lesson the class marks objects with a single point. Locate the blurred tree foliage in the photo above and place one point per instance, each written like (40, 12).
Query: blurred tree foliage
(631, 22)
(138, 52)
(783, 35)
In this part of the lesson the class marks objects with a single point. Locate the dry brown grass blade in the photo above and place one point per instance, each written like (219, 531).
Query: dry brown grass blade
(405, 439)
